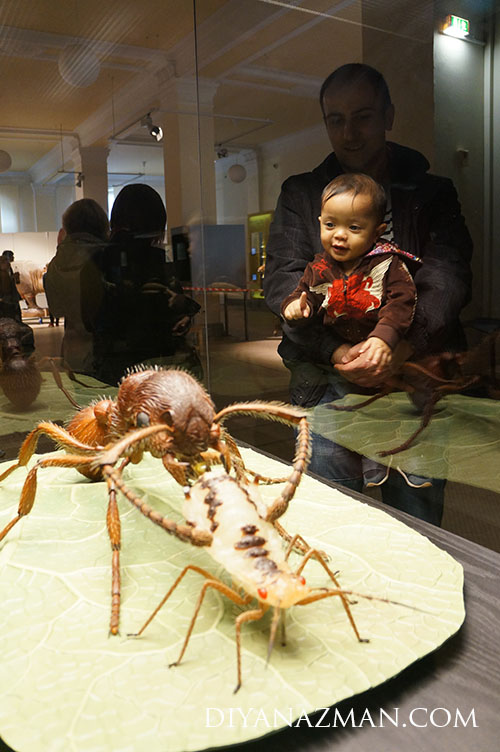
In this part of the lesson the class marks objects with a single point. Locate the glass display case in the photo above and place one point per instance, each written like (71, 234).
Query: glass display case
(161, 174)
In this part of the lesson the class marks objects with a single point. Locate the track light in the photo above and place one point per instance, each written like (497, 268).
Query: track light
(154, 130)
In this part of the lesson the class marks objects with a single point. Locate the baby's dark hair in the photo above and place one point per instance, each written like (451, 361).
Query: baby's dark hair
(356, 183)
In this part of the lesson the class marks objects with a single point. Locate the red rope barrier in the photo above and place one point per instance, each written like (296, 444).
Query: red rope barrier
(222, 289)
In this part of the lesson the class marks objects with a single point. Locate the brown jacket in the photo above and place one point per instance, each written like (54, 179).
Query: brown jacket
(377, 299)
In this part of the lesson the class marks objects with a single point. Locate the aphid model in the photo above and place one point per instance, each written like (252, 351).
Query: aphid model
(229, 518)
(172, 417)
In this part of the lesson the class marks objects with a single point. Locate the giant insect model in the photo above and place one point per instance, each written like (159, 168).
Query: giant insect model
(20, 378)
(171, 416)
(230, 519)
(433, 377)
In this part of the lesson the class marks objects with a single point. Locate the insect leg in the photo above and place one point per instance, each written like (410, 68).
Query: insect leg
(54, 432)
(297, 543)
(184, 532)
(190, 567)
(114, 532)
(426, 417)
(313, 553)
(211, 582)
(28, 492)
(58, 380)
(286, 414)
(365, 403)
(280, 505)
(253, 615)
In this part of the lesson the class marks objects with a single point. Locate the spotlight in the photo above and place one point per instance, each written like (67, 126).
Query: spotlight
(154, 130)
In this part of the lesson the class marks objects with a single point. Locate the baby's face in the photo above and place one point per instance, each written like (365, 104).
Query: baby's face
(349, 227)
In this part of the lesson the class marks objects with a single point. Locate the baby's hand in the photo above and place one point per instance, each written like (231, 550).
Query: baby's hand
(376, 351)
(297, 309)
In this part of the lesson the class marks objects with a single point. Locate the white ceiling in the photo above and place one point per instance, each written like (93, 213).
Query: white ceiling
(267, 59)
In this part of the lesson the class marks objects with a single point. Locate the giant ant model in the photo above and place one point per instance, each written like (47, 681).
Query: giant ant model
(170, 415)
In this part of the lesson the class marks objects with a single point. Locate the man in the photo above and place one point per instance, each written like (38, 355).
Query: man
(73, 281)
(423, 218)
(9, 296)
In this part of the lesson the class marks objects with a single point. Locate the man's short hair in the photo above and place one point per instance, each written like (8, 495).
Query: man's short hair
(354, 74)
(8, 254)
(86, 215)
(358, 183)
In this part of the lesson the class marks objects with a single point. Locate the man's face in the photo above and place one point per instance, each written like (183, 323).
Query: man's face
(356, 123)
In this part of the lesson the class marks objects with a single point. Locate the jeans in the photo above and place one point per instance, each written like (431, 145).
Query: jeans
(316, 385)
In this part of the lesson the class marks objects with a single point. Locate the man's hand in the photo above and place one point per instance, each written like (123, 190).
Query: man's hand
(297, 309)
(357, 368)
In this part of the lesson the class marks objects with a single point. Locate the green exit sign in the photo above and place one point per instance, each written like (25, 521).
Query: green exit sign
(457, 26)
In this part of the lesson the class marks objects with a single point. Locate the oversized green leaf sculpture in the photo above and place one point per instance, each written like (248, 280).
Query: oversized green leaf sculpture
(65, 684)
(462, 442)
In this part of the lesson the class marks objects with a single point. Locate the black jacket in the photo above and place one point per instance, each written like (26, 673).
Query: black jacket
(426, 222)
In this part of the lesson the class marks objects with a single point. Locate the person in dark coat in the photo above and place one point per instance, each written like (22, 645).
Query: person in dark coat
(423, 217)
(73, 281)
(146, 315)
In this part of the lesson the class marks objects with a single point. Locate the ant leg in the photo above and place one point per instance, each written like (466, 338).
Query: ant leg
(300, 462)
(184, 532)
(365, 403)
(28, 492)
(114, 532)
(54, 432)
(426, 417)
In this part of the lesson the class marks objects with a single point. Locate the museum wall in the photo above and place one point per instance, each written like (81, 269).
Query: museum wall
(36, 247)
(290, 155)
(27, 207)
(237, 194)
(399, 44)
(460, 106)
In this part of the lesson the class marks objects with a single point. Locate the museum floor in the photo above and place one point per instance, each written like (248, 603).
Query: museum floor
(240, 370)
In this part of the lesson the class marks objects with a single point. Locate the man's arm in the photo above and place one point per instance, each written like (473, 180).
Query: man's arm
(290, 246)
(444, 280)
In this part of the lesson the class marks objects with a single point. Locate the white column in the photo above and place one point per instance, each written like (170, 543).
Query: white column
(188, 128)
(92, 162)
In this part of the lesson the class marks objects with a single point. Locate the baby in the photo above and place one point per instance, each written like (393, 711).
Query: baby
(360, 285)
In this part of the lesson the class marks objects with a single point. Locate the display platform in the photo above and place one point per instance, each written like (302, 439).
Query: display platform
(66, 684)
(461, 443)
